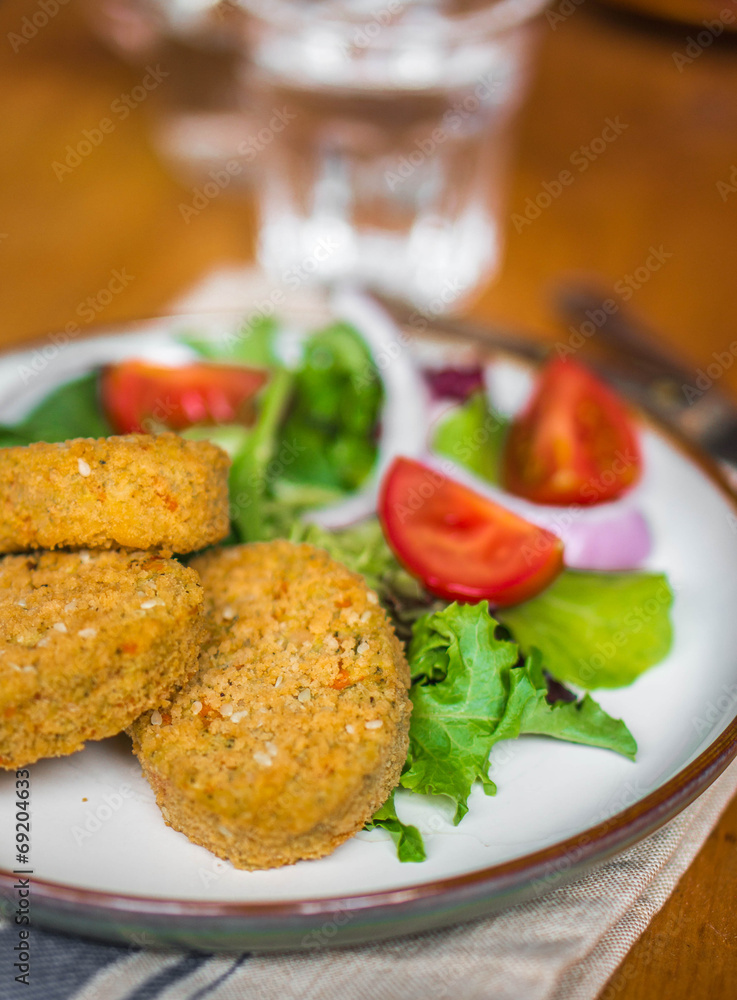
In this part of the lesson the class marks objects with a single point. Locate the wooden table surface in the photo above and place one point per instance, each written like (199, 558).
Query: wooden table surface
(667, 182)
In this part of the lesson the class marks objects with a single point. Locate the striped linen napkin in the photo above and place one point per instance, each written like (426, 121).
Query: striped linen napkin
(563, 946)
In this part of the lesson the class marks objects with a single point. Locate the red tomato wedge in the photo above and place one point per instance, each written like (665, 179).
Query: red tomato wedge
(574, 443)
(461, 545)
(138, 396)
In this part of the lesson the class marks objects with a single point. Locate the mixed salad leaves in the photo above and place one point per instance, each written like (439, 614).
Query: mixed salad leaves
(462, 548)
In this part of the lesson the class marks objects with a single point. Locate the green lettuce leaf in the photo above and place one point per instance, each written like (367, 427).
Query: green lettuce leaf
(470, 693)
(453, 721)
(408, 839)
(597, 629)
(230, 437)
(473, 435)
(71, 411)
(581, 721)
(364, 549)
(251, 471)
(332, 421)
(315, 438)
(252, 345)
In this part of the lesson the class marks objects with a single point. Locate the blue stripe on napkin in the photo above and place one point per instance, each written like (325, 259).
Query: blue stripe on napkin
(60, 965)
(151, 989)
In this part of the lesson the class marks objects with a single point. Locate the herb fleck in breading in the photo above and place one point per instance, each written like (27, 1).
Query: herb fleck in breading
(134, 492)
(88, 641)
(295, 727)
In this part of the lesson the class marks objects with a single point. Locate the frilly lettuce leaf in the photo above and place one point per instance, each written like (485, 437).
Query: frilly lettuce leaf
(470, 692)
(407, 839)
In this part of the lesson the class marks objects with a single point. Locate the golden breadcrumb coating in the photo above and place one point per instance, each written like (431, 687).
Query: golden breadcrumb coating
(134, 492)
(88, 641)
(294, 730)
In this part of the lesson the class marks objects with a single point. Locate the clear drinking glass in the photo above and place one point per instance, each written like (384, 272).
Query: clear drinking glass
(201, 114)
(376, 133)
(386, 129)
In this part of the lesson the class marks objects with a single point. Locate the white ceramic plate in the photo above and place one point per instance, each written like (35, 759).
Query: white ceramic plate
(105, 863)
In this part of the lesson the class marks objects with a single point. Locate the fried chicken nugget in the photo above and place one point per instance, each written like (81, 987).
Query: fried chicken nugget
(88, 641)
(295, 728)
(135, 492)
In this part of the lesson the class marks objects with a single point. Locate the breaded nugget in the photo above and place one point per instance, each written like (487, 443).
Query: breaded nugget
(295, 728)
(88, 641)
(135, 492)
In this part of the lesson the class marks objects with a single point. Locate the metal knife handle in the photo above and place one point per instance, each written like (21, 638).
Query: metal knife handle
(625, 335)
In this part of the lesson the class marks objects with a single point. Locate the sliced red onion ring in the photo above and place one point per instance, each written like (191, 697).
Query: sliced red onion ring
(404, 419)
(454, 383)
(611, 536)
(619, 543)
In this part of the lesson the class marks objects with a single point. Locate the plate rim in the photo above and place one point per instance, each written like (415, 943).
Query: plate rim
(561, 860)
